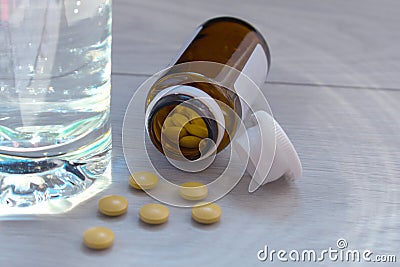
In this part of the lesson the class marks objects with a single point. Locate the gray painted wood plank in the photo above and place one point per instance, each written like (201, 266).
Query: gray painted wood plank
(319, 42)
(349, 146)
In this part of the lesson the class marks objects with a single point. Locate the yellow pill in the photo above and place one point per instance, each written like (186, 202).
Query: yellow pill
(154, 213)
(98, 238)
(190, 113)
(193, 191)
(174, 133)
(168, 122)
(190, 141)
(179, 119)
(196, 130)
(199, 121)
(183, 133)
(179, 109)
(143, 180)
(113, 205)
(206, 213)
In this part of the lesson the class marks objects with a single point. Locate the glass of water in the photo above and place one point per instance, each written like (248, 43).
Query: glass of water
(55, 66)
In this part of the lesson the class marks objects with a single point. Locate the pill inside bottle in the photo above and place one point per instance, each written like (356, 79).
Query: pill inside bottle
(188, 113)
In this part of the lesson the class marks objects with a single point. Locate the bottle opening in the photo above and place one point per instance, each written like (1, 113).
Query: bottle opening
(179, 126)
(185, 123)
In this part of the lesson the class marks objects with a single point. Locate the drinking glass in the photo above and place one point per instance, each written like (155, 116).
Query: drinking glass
(55, 66)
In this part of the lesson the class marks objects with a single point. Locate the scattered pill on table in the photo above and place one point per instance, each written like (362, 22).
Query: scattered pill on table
(98, 238)
(193, 191)
(154, 213)
(113, 205)
(143, 180)
(206, 213)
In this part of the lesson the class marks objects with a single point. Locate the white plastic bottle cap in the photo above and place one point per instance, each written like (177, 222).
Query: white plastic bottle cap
(270, 153)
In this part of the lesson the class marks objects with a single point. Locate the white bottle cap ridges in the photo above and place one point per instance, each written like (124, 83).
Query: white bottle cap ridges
(270, 156)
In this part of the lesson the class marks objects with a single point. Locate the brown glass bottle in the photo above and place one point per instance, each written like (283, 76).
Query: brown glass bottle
(225, 41)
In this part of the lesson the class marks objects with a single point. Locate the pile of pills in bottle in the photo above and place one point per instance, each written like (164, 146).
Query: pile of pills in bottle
(185, 125)
(99, 238)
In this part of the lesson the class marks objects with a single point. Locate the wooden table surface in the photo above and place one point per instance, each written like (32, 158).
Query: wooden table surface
(334, 86)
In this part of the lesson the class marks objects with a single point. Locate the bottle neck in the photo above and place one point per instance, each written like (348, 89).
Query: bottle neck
(191, 98)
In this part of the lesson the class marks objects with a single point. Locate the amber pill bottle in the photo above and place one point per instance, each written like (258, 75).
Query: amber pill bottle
(225, 41)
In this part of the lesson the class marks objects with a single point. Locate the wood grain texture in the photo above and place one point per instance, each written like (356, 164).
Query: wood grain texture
(348, 142)
(347, 138)
(320, 42)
